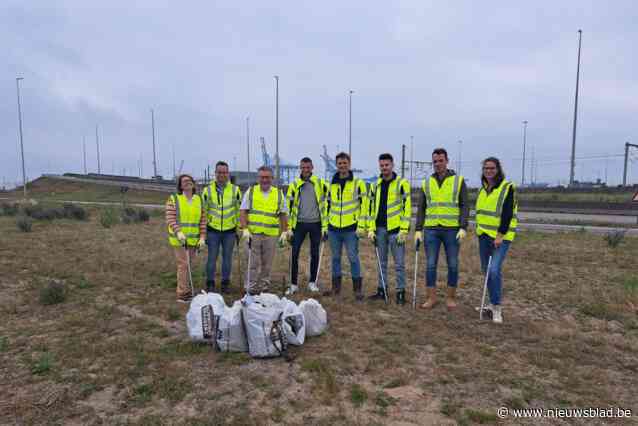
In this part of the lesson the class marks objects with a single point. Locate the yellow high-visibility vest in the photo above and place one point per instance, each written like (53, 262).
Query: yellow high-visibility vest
(188, 216)
(399, 204)
(350, 206)
(222, 212)
(489, 208)
(442, 202)
(321, 190)
(263, 213)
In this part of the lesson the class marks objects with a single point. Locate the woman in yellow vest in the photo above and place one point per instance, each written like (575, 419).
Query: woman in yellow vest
(496, 221)
(186, 223)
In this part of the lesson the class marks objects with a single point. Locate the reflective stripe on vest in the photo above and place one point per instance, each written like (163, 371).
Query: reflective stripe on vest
(222, 212)
(293, 195)
(399, 206)
(442, 202)
(489, 208)
(187, 216)
(263, 213)
(347, 206)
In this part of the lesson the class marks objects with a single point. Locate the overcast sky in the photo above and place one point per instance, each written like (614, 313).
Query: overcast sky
(438, 71)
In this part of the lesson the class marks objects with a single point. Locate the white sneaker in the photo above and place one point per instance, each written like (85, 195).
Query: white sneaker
(312, 286)
(292, 290)
(497, 314)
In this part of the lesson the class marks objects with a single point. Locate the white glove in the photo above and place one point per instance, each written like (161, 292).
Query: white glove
(283, 238)
(461, 234)
(181, 237)
(372, 236)
(418, 237)
(361, 233)
(246, 235)
(401, 237)
(289, 235)
(201, 243)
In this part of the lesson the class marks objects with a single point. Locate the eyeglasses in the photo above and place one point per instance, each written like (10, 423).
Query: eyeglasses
(489, 168)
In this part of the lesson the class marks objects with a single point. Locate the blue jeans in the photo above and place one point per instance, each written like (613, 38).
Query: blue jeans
(433, 240)
(495, 279)
(227, 242)
(351, 241)
(387, 241)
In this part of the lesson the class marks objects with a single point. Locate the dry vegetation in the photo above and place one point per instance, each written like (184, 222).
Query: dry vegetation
(115, 351)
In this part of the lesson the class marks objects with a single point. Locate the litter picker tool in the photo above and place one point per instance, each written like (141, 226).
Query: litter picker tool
(190, 275)
(250, 258)
(238, 256)
(385, 288)
(321, 244)
(416, 267)
(487, 275)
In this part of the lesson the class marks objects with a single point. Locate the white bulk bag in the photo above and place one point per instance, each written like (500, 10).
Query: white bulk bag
(294, 322)
(267, 299)
(315, 316)
(264, 330)
(194, 314)
(230, 330)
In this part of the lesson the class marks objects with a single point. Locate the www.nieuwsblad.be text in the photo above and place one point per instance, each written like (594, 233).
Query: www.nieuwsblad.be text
(565, 413)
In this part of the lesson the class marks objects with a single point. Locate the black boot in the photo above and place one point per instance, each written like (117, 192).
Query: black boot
(379, 295)
(210, 286)
(401, 297)
(336, 287)
(357, 287)
(225, 286)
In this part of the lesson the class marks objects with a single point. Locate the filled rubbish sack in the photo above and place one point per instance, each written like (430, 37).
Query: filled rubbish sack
(264, 330)
(315, 316)
(203, 316)
(231, 336)
(267, 299)
(294, 322)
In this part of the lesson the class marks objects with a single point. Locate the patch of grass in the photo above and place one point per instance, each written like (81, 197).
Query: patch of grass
(180, 349)
(108, 217)
(600, 310)
(9, 209)
(142, 394)
(134, 215)
(515, 403)
(631, 286)
(168, 280)
(24, 223)
(278, 414)
(86, 389)
(43, 364)
(233, 358)
(397, 382)
(4, 344)
(382, 400)
(358, 395)
(450, 409)
(481, 417)
(72, 211)
(52, 293)
(172, 388)
(84, 283)
(173, 314)
(324, 378)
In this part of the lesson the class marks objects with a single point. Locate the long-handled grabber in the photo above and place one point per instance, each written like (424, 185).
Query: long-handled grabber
(487, 275)
(416, 267)
(385, 287)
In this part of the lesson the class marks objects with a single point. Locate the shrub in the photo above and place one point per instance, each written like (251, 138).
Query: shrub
(52, 293)
(24, 223)
(133, 215)
(8, 209)
(108, 217)
(71, 211)
(46, 214)
(614, 238)
(43, 364)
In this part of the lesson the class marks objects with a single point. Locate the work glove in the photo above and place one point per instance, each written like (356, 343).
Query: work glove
(498, 240)
(282, 239)
(418, 237)
(324, 235)
(246, 235)
(201, 243)
(461, 234)
(361, 233)
(181, 237)
(401, 237)
(289, 235)
(372, 236)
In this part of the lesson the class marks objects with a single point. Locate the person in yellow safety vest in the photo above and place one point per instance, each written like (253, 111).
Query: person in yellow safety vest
(443, 211)
(347, 222)
(496, 222)
(221, 203)
(307, 206)
(263, 214)
(186, 222)
(390, 211)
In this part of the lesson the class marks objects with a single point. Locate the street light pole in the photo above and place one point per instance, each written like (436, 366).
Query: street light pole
(350, 92)
(277, 129)
(24, 173)
(573, 161)
(524, 142)
(153, 130)
(97, 146)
